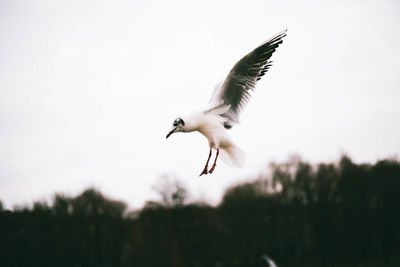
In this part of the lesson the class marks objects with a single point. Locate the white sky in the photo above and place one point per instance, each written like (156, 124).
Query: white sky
(89, 89)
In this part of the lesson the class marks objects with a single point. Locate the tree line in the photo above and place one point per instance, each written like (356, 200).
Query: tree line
(300, 215)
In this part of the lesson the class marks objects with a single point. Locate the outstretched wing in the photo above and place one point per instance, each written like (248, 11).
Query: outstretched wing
(235, 90)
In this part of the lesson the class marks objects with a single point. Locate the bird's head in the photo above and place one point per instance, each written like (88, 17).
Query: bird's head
(177, 126)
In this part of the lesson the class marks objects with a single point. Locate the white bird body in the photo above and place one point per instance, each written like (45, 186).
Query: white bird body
(227, 103)
(211, 126)
(208, 125)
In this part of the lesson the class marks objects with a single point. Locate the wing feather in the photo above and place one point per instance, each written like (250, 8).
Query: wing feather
(242, 79)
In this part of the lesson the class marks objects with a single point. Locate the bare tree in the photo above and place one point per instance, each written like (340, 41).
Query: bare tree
(172, 191)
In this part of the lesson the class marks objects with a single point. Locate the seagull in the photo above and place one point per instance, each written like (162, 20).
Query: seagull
(270, 261)
(226, 104)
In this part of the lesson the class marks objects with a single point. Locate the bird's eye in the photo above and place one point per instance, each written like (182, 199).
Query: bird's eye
(178, 122)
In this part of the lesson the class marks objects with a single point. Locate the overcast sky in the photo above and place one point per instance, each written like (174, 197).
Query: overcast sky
(89, 89)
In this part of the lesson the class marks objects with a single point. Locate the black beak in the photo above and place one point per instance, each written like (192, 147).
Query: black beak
(171, 132)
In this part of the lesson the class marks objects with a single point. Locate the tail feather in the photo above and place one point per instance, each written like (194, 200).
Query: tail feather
(233, 155)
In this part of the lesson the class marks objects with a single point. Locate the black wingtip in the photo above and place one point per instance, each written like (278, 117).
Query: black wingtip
(280, 35)
(275, 40)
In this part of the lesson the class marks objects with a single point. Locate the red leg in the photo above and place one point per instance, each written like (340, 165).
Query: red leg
(205, 171)
(215, 162)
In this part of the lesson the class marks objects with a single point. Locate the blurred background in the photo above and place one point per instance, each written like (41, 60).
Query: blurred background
(88, 91)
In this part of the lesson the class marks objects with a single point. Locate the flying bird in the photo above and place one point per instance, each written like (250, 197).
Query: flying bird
(269, 261)
(227, 103)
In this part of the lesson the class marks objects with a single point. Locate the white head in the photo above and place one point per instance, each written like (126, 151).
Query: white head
(177, 126)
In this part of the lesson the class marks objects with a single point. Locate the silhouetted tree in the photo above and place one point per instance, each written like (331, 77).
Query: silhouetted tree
(301, 215)
(386, 175)
(93, 203)
(62, 205)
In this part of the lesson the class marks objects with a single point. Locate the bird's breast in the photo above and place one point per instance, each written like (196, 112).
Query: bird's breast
(216, 134)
